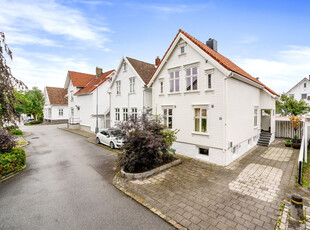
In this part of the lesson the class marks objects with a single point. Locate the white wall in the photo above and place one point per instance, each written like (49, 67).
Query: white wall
(127, 99)
(300, 89)
(54, 110)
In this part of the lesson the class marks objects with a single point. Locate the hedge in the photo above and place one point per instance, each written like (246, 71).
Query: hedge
(35, 122)
(12, 161)
(17, 132)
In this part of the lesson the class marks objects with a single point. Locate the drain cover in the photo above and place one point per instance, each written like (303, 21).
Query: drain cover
(35, 138)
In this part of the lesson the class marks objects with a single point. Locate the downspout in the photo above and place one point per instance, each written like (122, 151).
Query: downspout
(224, 121)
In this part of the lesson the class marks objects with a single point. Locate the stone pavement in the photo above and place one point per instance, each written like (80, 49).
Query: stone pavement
(247, 194)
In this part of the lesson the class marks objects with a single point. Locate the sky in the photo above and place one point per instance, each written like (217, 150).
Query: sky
(268, 39)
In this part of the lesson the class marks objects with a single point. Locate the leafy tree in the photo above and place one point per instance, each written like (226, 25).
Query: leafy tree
(7, 84)
(287, 106)
(295, 121)
(34, 102)
(146, 143)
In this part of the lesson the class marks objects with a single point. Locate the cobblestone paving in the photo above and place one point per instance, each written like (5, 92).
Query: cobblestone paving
(244, 195)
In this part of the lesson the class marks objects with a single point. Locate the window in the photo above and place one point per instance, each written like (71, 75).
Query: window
(235, 149)
(125, 66)
(255, 116)
(304, 96)
(132, 82)
(61, 112)
(134, 112)
(204, 151)
(118, 87)
(191, 79)
(305, 85)
(175, 81)
(117, 114)
(168, 118)
(182, 49)
(125, 114)
(72, 112)
(209, 81)
(200, 120)
(162, 86)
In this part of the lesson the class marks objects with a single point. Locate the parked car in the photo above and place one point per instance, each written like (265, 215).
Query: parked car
(28, 121)
(109, 138)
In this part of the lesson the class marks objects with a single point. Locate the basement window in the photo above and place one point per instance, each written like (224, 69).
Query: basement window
(204, 151)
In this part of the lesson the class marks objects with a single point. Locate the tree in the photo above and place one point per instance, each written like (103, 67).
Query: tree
(34, 102)
(287, 106)
(7, 84)
(295, 121)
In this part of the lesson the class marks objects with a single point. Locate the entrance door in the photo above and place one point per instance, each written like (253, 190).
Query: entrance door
(266, 120)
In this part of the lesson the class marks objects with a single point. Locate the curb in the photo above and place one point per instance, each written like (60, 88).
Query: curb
(116, 183)
(12, 174)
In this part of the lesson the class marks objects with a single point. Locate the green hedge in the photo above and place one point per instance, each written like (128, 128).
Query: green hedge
(35, 122)
(12, 161)
(17, 132)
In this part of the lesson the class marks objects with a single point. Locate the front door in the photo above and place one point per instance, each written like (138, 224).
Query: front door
(266, 120)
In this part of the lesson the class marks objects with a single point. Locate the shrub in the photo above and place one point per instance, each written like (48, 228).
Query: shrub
(7, 141)
(12, 161)
(146, 143)
(17, 132)
(11, 127)
(35, 122)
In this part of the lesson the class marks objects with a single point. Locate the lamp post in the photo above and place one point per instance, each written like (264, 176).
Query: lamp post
(97, 128)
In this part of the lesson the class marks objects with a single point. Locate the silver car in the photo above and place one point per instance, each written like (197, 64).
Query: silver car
(106, 137)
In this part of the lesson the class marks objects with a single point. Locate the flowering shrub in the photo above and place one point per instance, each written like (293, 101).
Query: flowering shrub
(7, 141)
(146, 143)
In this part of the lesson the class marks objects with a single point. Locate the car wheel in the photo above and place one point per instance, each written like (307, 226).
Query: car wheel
(112, 145)
(97, 140)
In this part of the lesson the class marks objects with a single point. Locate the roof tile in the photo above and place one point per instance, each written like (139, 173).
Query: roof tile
(57, 95)
(145, 70)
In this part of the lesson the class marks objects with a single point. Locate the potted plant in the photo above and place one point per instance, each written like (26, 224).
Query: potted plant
(295, 121)
(288, 143)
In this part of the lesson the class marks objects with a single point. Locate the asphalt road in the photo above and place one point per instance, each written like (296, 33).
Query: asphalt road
(67, 185)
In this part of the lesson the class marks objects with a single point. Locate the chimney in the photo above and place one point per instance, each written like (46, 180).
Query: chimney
(98, 72)
(157, 61)
(212, 43)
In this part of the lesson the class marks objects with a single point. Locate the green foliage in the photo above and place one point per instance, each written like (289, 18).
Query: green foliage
(7, 141)
(288, 142)
(35, 122)
(146, 143)
(17, 132)
(287, 106)
(11, 127)
(12, 161)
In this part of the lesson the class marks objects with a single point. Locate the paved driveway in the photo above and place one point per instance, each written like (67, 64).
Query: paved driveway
(67, 185)
(245, 195)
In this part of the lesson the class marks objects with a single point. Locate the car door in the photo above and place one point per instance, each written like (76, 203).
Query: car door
(105, 139)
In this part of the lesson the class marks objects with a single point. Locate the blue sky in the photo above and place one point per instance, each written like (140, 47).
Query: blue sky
(268, 39)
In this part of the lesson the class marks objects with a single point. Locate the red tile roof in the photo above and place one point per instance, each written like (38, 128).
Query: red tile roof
(144, 69)
(225, 62)
(56, 95)
(80, 79)
(94, 83)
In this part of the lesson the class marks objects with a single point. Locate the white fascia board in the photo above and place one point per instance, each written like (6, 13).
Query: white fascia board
(117, 71)
(67, 82)
(246, 80)
(270, 94)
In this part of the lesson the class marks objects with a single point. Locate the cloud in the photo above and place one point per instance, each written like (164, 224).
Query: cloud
(284, 71)
(35, 17)
(176, 8)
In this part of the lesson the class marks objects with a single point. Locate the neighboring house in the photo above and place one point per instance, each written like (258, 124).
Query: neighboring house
(95, 93)
(301, 90)
(82, 99)
(56, 105)
(129, 93)
(219, 109)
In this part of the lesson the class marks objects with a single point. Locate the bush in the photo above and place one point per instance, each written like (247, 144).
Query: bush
(146, 143)
(35, 122)
(12, 161)
(7, 141)
(11, 127)
(17, 132)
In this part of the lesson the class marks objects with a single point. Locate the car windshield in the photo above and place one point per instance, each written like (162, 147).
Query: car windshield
(116, 133)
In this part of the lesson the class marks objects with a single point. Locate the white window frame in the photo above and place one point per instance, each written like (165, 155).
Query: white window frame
(166, 116)
(125, 66)
(125, 114)
(173, 80)
(61, 112)
(134, 112)
(305, 96)
(183, 46)
(161, 86)
(200, 118)
(118, 87)
(117, 114)
(132, 83)
(255, 116)
(191, 76)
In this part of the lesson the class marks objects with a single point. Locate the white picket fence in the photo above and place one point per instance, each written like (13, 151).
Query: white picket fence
(284, 129)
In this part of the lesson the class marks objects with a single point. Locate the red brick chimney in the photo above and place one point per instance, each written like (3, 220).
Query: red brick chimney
(157, 61)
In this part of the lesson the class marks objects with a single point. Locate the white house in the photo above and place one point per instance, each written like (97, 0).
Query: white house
(219, 109)
(56, 105)
(301, 90)
(83, 91)
(128, 91)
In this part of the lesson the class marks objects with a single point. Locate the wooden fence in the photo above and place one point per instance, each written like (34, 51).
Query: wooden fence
(284, 129)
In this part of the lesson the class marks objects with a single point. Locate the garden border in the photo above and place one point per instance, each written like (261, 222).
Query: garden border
(12, 174)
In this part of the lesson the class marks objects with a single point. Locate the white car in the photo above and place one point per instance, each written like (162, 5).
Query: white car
(106, 137)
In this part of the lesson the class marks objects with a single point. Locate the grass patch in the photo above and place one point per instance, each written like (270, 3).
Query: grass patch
(17, 132)
(306, 173)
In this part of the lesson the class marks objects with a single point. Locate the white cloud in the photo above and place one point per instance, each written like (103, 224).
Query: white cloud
(176, 8)
(284, 71)
(49, 17)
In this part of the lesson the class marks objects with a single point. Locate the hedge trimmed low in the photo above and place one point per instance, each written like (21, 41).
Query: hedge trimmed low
(12, 161)
(17, 132)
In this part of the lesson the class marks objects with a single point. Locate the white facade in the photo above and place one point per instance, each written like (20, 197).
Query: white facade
(54, 113)
(215, 117)
(128, 92)
(301, 90)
